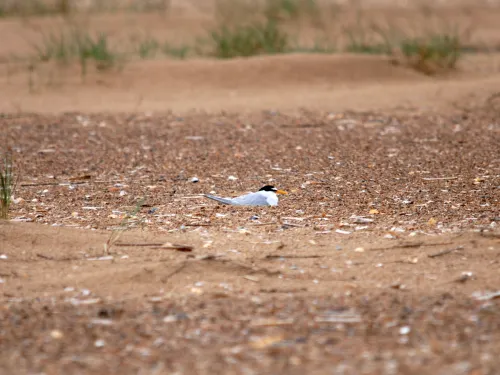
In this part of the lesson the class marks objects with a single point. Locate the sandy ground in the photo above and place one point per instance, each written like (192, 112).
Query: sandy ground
(282, 83)
(382, 259)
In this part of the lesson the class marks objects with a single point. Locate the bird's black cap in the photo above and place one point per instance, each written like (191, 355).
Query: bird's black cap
(268, 188)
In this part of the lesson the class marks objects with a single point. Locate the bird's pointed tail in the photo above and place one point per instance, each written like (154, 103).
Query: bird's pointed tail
(218, 199)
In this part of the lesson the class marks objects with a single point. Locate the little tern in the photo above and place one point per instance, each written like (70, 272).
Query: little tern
(266, 196)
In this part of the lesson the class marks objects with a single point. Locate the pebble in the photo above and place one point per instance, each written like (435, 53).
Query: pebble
(99, 343)
(361, 220)
(340, 231)
(404, 330)
(101, 322)
(397, 229)
(56, 334)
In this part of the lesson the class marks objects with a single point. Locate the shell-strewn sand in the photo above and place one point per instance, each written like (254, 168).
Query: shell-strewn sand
(377, 262)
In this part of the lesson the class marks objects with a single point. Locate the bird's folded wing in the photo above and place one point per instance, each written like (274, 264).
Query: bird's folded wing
(219, 199)
(252, 199)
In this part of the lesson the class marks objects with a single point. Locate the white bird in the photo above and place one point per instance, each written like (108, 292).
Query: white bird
(266, 196)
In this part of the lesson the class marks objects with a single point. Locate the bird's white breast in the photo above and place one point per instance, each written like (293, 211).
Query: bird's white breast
(271, 197)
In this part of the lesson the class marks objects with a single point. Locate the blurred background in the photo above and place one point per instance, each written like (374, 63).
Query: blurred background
(124, 44)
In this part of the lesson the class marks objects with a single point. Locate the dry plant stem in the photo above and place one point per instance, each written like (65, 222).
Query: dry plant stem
(439, 178)
(55, 184)
(174, 272)
(139, 244)
(409, 245)
(271, 256)
(43, 256)
(7, 185)
(183, 249)
(444, 252)
(124, 225)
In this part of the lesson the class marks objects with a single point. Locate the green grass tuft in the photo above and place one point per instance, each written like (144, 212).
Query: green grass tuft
(96, 50)
(247, 28)
(289, 9)
(254, 39)
(148, 48)
(78, 46)
(54, 47)
(367, 48)
(317, 48)
(433, 54)
(28, 8)
(176, 52)
(359, 41)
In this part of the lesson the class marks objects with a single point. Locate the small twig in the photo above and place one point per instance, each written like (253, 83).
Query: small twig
(76, 182)
(444, 252)
(251, 278)
(172, 246)
(293, 225)
(183, 249)
(55, 183)
(410, 244)
(401, 261)
(80, 178)
(272, 256)
(209, 257)
(439, 178)
(44, 256)
(463, 278)
(138, 244)
(197, 225)
(108, 182)
(272, 322)
(174, 272)
(42, 184)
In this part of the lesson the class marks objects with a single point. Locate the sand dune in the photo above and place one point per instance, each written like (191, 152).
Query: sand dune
(286, 82)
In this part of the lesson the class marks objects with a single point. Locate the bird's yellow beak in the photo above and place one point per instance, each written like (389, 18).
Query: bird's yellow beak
(281, 192)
